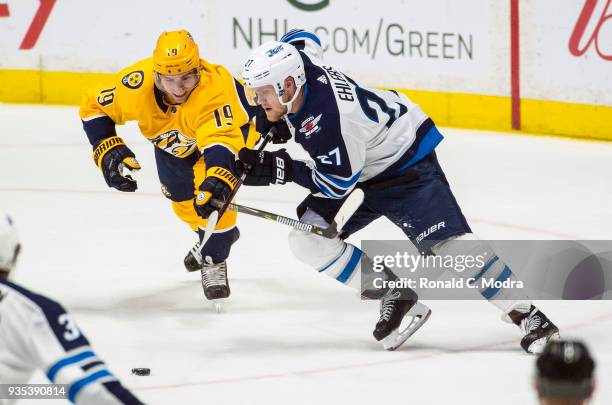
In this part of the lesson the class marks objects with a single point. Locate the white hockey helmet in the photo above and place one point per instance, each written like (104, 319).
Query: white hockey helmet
(306, 41)
(270, 65)
(9, 244)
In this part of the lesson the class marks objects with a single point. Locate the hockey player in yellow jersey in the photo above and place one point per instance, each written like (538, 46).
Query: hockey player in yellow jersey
(197, 118)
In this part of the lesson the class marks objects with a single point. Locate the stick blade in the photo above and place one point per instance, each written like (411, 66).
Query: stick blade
(352, 203)
(213, 218)
(211, 224)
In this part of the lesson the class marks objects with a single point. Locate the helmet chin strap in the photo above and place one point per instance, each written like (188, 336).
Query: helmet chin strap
(289, 103)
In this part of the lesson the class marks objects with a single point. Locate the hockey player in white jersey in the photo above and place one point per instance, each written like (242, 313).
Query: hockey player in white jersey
(310, 44)
(37, 333)
(383, 143)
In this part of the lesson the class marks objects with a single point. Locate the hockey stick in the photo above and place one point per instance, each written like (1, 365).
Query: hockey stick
(347, 209)
(213, 218)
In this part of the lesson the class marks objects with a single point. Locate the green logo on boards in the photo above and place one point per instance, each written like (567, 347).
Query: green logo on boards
(309, 6)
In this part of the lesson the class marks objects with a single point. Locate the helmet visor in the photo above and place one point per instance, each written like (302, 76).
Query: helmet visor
(258, 95)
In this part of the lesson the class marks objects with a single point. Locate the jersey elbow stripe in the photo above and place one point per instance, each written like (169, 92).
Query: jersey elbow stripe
(338, 182)
(330, 184)
(93, 117)
(327, 191)
(226, 146)
(289, 34)
(297, 34)
(68, 361)
(78, 385)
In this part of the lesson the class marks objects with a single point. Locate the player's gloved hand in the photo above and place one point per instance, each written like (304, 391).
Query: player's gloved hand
(281, 133)
(218, 185)
(264, 168)
(117, 163)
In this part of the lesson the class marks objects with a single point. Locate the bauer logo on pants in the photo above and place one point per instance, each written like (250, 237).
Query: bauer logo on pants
(430, 230)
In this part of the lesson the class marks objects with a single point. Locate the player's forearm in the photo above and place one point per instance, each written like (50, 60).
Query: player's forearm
(219, 155)
(302, 175)
(317, 181)
(98, 127)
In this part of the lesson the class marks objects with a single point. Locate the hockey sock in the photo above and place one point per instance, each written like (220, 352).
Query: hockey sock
(495, 280)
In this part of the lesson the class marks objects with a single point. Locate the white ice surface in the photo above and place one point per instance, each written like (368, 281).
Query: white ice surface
(289, 335)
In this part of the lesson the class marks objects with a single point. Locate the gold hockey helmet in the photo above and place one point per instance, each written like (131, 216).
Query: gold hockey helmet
(176, 52)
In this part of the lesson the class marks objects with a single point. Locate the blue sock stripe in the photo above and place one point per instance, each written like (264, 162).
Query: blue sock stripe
(485, 268)
(335, 260)
(350, 267)
(491, 291)
(76, 387)
(55, 368)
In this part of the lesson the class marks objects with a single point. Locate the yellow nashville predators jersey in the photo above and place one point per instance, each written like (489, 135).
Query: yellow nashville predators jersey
(216, 112)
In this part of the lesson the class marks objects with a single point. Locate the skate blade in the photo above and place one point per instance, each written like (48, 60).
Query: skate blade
(420, 314)
(537, 347)
(217, 304)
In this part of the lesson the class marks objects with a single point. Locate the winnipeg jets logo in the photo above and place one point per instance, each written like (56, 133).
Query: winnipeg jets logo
(310, 125)
(322, 79)
(175, 143)
(274, 51)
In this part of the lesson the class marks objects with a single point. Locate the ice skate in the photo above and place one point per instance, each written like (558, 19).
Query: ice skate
(193, 259)
(536, 327)
(214, 282)
(394, 312)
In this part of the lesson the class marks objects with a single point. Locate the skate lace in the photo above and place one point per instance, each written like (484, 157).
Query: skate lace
(195, 252)
(386, 310)
(387, 306)
(214, 274)
(531, 323)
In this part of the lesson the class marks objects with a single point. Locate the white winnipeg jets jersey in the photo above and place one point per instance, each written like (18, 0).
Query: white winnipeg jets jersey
(37, 333)
(355, 133)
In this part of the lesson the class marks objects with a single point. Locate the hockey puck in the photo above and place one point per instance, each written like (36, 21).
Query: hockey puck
(141, 371)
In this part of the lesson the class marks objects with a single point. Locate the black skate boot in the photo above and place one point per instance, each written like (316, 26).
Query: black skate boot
(393, 309)
(214, 280)
(193, 260)
(536, 327)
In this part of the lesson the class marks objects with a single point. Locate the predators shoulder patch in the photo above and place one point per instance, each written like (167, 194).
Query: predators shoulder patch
(133, 80)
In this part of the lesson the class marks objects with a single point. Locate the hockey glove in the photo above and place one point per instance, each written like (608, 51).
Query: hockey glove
(265, 168)
(218, 185)
(262, 125)
(117, 163)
